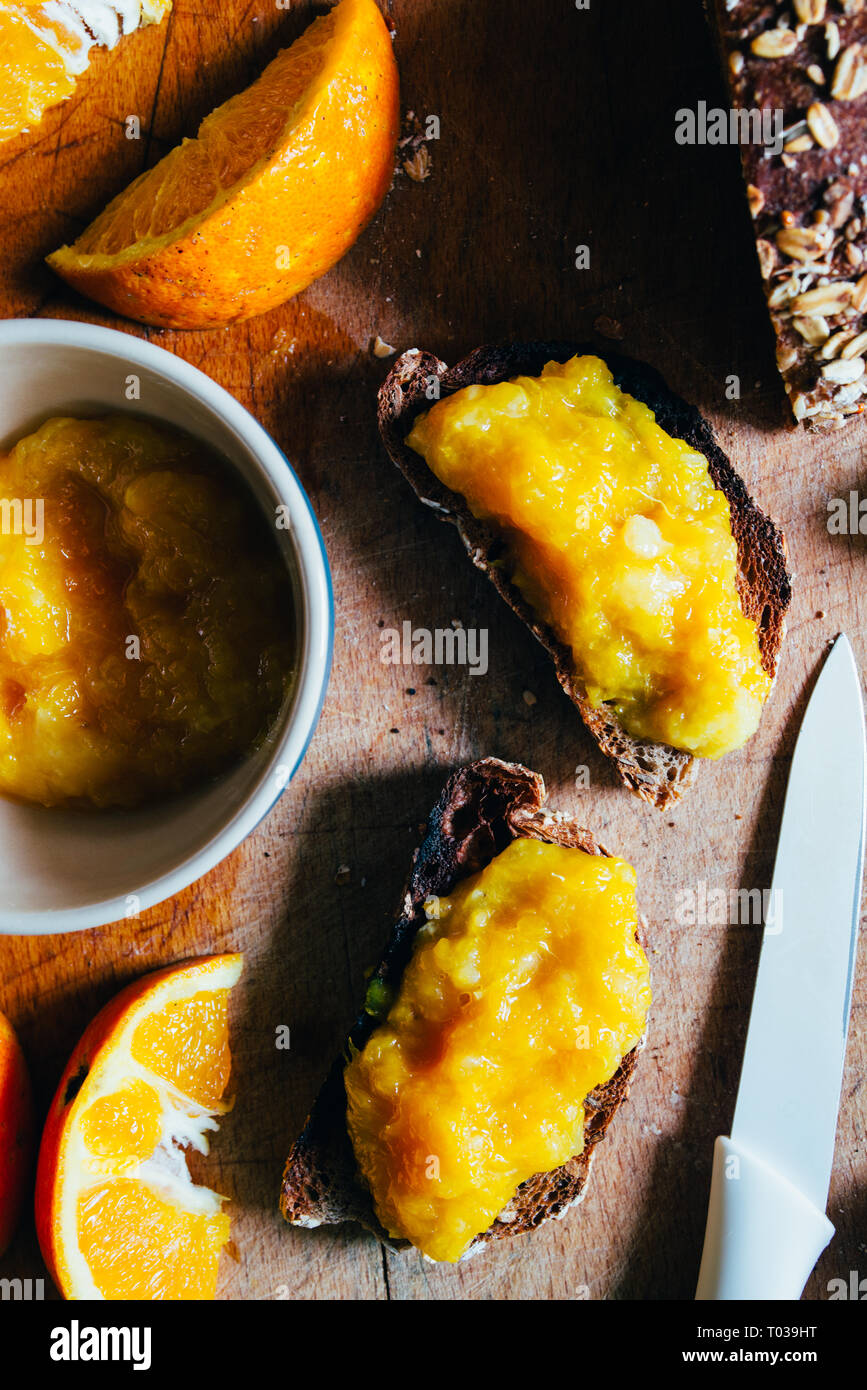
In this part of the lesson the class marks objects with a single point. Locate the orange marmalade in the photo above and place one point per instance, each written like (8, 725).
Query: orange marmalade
(524, 991)
(146, 629)
(620, 541)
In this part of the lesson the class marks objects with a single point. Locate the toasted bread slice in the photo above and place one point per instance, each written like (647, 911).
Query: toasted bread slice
(654, 771)
(483, 807)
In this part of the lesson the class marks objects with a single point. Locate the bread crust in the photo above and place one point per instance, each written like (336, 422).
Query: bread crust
(654, 771)
(483, 807)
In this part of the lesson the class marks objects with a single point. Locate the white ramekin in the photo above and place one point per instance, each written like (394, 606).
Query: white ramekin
(66, 870)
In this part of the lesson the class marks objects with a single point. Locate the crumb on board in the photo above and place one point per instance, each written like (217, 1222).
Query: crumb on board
(418, 166)
(609, 328)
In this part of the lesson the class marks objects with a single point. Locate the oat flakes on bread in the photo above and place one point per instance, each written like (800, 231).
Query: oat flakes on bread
(808, 200)
(654, 771)
(483, 807)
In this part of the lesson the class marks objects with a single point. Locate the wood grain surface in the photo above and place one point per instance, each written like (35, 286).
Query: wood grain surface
(557, 130)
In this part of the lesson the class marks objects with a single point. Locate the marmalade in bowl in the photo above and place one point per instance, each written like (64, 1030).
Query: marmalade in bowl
(146, 616)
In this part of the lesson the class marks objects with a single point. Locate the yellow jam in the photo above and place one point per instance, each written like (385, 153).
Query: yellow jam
(146, 618)
(524, 991)
(618, 538)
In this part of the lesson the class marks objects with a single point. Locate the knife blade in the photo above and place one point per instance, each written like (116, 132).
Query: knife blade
(771, 1178)
(789, 1090)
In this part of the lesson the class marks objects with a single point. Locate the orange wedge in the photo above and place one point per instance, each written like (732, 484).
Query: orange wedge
(117, 1213)
(16, 1131)
(276, 186)
(44, 47)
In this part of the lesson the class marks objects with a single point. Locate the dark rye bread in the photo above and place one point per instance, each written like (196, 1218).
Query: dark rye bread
(483, 807)
(808, 199)
(653, 771)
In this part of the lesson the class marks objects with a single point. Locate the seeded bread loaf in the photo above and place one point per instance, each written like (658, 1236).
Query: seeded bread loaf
(654, 771)
(483, 807)
(806, 58)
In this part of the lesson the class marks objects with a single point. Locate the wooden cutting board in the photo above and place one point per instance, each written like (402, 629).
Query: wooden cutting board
(556, 131)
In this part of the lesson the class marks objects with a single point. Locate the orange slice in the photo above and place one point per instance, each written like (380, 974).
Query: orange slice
(276, 186)
(117, 1213)
(16, 1131)
(44, 47)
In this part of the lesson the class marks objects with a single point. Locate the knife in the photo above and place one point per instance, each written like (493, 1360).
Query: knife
(766, 1224)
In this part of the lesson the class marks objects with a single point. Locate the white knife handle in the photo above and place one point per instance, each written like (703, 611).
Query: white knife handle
(763, 1237)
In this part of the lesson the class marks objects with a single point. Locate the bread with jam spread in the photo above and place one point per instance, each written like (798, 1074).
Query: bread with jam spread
(484, 810)
(652, 767)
